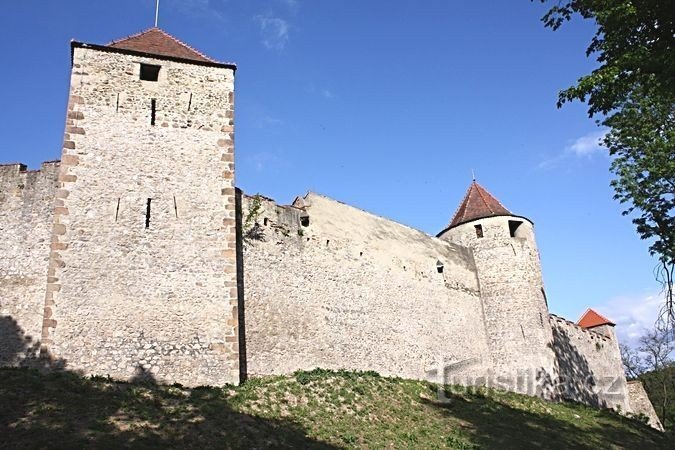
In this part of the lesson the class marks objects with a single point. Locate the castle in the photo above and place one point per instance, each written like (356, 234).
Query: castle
(135, 252)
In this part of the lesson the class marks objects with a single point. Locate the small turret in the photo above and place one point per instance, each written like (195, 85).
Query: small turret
(511, 289)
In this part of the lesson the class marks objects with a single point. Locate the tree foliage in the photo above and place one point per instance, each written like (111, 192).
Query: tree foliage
(632, 93)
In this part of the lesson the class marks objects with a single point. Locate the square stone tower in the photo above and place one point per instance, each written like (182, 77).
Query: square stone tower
(142, 271)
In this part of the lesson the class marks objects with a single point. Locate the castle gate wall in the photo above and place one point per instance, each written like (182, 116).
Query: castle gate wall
(142, 275)
(26, 214)
(589, 366)
(335, 287)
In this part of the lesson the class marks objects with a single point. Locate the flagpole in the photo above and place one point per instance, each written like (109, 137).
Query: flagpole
(156, 13)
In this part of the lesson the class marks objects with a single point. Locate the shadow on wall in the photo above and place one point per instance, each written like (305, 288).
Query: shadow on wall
(19, 350)
(576, 381)
(63, 409)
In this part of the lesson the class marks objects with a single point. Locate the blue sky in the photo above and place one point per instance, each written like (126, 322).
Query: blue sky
(386, 105)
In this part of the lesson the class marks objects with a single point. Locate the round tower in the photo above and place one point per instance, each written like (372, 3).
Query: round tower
(511, 289)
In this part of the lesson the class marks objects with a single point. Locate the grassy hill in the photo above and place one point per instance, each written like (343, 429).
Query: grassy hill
(318, 409)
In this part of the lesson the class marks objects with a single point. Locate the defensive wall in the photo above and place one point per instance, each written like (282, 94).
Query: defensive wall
(329, 285)
(26, 216)
(588, 364)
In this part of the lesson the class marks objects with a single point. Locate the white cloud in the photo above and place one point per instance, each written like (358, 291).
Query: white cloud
(291, 4)
(274, 30)
(588, 145)
(327, 93)
(197, 8)
(632, 315)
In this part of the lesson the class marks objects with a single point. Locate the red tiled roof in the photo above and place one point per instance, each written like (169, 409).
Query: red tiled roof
(592, 319)
(477, 204)
(158, 42)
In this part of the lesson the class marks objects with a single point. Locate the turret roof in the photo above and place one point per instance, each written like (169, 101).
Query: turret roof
(158, 42)
(478, 203)
(591, 319)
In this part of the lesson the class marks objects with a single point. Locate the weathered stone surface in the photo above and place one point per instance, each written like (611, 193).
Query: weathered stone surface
(132, 292)
(26, 217)
(640, 403)
(353, 290)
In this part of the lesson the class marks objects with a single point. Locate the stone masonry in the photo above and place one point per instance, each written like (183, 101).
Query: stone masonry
(134, 256)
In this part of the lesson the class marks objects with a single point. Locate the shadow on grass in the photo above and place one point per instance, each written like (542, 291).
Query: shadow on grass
(53, 408)
(493, 423)
(67, 411)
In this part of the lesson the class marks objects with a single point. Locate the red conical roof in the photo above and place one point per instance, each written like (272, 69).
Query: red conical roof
(592, 319)
(158, 42)
(477, 204)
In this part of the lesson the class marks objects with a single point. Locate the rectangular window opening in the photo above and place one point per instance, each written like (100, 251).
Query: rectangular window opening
(147, 213)
(153, 111)
(149, 72)
(479, 230)
(514, 226)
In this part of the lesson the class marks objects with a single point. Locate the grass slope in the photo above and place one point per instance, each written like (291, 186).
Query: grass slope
(318, 409)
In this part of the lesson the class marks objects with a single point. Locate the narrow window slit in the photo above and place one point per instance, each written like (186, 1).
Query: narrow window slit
(147, 213)
(153, 111)
(117, 105)
(175, 206)
(190, 102)
(117, 210)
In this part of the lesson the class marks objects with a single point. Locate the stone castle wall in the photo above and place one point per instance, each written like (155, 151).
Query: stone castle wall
(352, 290)
(640, 403)
(588, 364)
(131, 293)
(26, 215)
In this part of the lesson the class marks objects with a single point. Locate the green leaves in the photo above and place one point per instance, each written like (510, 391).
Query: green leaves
(633, 91)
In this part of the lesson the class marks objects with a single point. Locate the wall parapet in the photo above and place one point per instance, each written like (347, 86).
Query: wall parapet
(592, 334)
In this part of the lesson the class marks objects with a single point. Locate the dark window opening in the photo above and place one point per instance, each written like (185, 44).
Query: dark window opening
(304, 221)
(117, 211)
(190, 102)
(514, 226)
(149, 72)
(147, 213)
(479, 230)
(327, 242)
(175, 206)
(439, 267)
(117, 106)
(153, 111)
(265, 220)
(360, 253)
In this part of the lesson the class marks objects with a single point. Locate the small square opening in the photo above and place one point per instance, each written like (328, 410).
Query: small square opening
(479, 230)
(150, 72)
(514, 228)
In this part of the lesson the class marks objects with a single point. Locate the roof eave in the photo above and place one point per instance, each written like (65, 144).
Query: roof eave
(103, 48)
(450, 227)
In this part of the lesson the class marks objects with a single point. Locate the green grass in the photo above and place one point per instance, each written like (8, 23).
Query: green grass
(318, 409)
